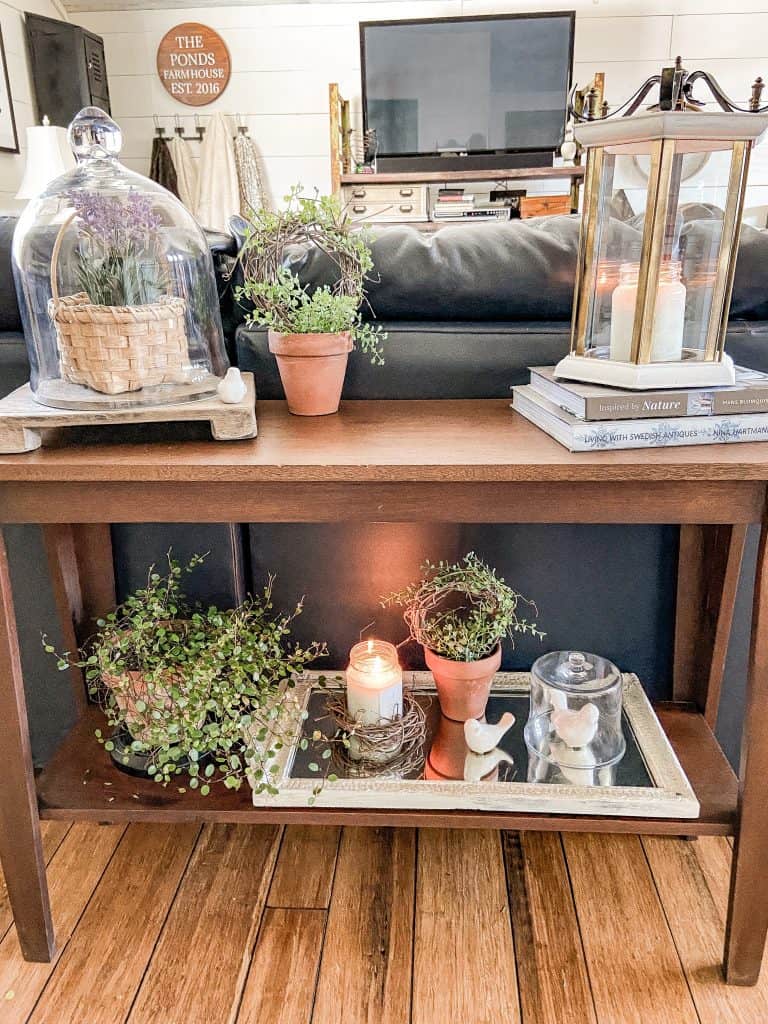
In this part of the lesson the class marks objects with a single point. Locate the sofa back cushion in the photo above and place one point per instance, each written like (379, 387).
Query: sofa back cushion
(517, 270)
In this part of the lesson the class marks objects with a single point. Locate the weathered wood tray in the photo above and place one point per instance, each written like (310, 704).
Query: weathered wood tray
(24, 423)
(647, 782)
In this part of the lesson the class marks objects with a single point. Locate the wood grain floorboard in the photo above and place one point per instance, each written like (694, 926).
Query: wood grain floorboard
(692, 882)
(305, 867)
(634, 969)
(464, 959)
(153, 927)
(283, 975)
(52, 834)
(73, 874)
(217, 908)
(100, 970)
(367, 955)
(551, 973)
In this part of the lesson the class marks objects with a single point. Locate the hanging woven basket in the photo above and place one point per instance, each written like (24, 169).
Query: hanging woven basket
(114, 349)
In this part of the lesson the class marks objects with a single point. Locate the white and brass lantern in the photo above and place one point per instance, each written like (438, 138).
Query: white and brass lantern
(663, 201)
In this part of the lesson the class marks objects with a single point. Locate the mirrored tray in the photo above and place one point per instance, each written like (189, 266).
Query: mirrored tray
(647, 782)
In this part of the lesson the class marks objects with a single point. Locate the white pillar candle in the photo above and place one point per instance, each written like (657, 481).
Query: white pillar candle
(374, 683)
(668, 320)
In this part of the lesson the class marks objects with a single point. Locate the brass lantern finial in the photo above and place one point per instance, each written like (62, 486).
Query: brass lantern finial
(757, 91)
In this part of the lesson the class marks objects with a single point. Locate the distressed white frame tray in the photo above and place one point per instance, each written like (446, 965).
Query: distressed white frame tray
(671, 795)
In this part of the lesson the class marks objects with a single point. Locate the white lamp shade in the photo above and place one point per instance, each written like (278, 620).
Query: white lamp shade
(48, 155)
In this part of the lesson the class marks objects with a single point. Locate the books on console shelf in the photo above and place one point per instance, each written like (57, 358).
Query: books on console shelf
(592, 402)
(579, 435)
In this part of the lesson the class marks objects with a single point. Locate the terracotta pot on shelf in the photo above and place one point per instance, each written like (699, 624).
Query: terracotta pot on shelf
(312, 369)
(463, 687)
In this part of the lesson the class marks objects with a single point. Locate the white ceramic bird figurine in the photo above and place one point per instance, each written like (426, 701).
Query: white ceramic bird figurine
(482, 737)
(231, 389)
(576, 728)
(477, 766)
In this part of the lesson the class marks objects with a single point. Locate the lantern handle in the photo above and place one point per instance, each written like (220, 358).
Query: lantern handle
(675, 93)
(629, 107)
(724, 101)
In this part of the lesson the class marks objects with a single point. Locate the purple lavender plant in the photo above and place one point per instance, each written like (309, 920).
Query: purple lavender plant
(117, 256)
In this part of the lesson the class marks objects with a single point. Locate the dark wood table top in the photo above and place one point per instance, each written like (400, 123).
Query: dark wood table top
(386, 442)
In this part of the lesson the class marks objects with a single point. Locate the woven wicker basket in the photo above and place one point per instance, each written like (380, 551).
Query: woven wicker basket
(114, 349)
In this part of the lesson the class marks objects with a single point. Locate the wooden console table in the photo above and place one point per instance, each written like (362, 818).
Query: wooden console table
(459, 461)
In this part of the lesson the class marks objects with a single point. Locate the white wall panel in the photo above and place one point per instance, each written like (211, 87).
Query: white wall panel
(285, 54)
(12, 24)
(614, 39)
(721, 35)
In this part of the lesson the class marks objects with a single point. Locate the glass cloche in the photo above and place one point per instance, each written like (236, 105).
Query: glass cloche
(116, 285)
(574, 731)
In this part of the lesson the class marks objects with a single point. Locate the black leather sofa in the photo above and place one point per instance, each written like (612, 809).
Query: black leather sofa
(467, 310)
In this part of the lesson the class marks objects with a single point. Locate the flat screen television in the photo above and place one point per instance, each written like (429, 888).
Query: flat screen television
(465, 92)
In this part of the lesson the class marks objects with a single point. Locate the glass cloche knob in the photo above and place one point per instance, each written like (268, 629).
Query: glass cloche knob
(93, 135)
(577, 663)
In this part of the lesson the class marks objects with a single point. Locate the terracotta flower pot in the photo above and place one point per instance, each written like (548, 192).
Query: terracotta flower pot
(312, 369)
(463, 687)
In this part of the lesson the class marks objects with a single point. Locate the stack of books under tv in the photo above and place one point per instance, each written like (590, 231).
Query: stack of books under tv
(590, 417)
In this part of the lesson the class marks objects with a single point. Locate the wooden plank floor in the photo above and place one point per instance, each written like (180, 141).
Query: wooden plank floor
(239, 924)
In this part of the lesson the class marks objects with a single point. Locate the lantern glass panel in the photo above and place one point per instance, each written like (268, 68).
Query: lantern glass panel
(686, 188)
(617, 244)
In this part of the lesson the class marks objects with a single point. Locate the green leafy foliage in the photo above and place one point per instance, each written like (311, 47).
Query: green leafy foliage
(279, 300)
(194, 684)
(461, 610)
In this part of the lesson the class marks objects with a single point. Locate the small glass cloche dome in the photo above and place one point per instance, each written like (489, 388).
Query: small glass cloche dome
(574, 731)
(116, 285)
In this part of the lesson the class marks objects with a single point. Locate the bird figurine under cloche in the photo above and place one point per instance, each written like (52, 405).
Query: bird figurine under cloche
(576, 728)
(116, 285)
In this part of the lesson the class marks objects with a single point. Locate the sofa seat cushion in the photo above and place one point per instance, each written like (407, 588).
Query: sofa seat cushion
(423, 360)
(462, 360)
(14, 365)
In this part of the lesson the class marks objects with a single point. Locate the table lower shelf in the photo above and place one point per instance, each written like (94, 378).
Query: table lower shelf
(80, 783)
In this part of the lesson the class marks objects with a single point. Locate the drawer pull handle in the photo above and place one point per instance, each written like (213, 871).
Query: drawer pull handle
(359, 208)
(359, 193)
(406, 192)
(406, 208)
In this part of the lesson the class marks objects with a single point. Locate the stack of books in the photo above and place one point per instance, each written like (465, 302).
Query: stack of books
(451, 203)
(589, 417)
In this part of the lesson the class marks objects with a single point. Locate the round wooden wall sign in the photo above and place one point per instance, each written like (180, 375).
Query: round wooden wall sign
(193, 64)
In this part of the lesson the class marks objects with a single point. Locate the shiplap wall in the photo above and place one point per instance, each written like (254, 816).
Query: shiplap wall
(12, 24)
(285, 54)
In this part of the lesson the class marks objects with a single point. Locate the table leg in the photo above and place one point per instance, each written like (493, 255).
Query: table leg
(747, 923)
(708, 577)
(21, 850)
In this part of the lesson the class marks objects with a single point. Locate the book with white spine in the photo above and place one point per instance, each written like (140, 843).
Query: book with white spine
(578, 435)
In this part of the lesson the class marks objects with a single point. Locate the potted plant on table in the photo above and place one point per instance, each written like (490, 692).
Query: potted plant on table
(192, 694)
(311, 331)
(460, 613)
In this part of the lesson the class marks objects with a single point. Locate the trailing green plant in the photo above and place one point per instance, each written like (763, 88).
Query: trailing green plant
(462, 610)
(200, 690)
(279, 300)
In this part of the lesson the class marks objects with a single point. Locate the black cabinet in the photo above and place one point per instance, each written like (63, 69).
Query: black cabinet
(68, 68)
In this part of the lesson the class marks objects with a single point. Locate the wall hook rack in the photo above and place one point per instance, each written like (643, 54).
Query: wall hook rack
(197, 136)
